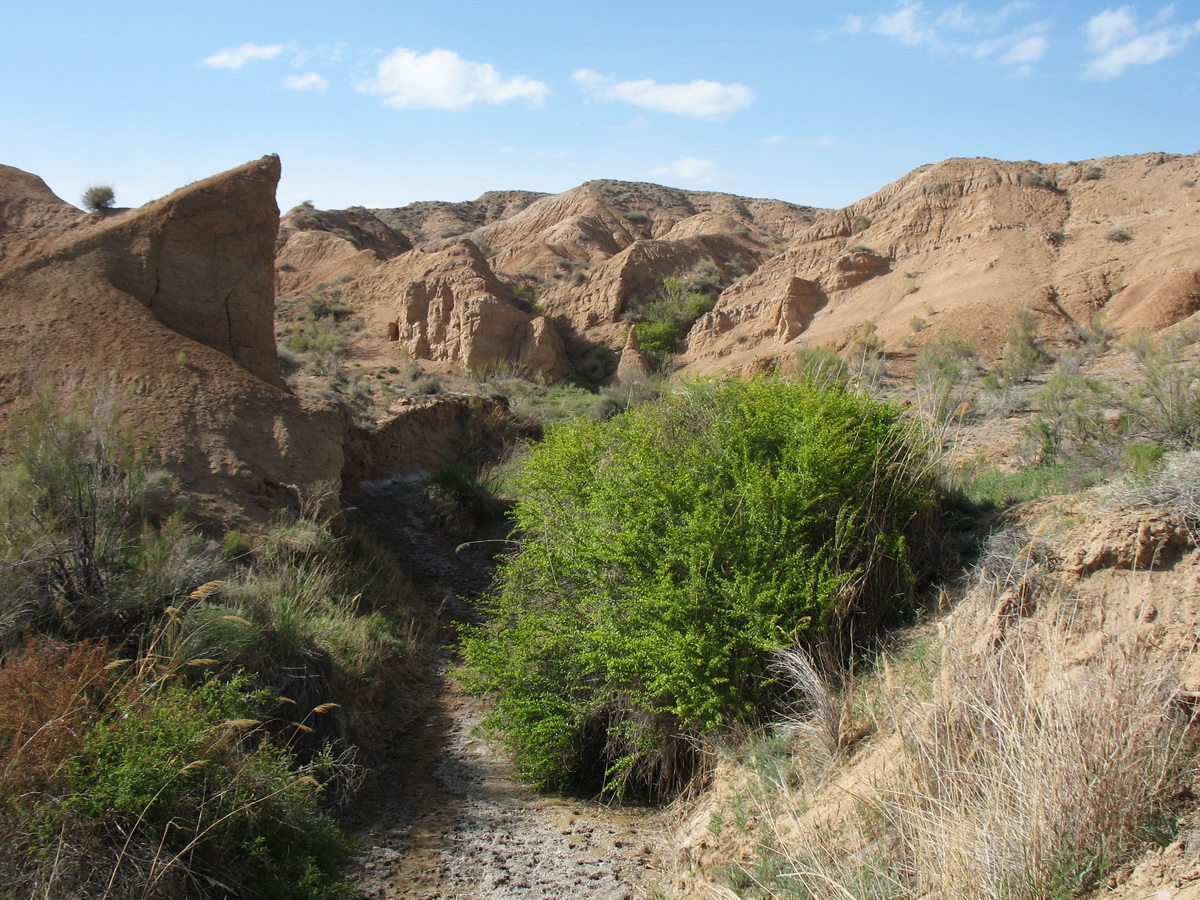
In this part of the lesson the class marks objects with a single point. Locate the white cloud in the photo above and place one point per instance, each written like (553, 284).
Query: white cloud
(1026, 50)
(902, 25)
(700, 171)
(1118, 41)
(309, 81)
(637, 123)
(236, 57)
(824, 141)
(440, 79)
(701, 99)
(960, 30)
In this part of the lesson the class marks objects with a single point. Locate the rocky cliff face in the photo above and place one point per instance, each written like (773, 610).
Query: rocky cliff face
(169, 310)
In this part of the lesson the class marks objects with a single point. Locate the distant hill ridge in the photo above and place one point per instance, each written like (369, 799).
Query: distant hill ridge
(960, 246)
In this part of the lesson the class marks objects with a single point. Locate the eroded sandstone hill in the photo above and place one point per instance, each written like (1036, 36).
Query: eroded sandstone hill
(962, 245)
(175, 302)
(958, 246)
(169, 310)
(538, 281)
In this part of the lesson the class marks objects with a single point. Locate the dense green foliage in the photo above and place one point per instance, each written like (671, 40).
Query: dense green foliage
(188, 769)
(667, 552)
(669, 316)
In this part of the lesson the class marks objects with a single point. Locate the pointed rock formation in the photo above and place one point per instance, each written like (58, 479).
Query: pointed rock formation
(633, 365)
(171, 307)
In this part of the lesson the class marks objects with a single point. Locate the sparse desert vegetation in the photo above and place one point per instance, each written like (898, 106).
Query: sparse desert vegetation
(180, 708)
(833, 570)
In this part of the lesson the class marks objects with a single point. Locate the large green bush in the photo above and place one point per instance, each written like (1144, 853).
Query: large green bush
(668, 552)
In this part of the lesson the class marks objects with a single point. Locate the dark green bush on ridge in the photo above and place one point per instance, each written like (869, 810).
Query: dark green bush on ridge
(666, 553)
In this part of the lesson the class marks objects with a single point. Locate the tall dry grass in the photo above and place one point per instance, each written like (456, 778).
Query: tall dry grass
(1021, 773)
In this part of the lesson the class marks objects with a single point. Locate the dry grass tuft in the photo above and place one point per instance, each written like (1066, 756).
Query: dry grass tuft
(1021, 774)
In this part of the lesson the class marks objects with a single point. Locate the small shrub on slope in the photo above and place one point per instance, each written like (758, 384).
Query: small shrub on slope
(667, 553)
(669, 316)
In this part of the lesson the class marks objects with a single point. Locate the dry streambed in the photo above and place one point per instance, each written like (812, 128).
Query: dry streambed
(441, 815)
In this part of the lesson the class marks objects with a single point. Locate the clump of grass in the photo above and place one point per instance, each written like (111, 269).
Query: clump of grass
(945, 376)
(1024, 353)
(865, 356)
(1018, 776)
(164, 773)
(989, 486)
(821, 364)
(1173, 486)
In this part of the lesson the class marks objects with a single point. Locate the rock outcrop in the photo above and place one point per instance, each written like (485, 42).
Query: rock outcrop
(633, 365)
(170, 309)
(449, 306)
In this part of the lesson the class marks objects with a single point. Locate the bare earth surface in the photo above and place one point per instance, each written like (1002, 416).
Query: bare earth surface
(441, 815)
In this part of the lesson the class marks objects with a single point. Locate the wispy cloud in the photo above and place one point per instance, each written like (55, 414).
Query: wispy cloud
(440, 79)
(637, 123)
(961, 30)
(1117, 40)
(309, 81)
(699, 99)
(822, 140)
(691, 170)
(236, 57)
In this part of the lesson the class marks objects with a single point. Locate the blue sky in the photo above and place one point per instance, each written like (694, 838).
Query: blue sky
(385, 103)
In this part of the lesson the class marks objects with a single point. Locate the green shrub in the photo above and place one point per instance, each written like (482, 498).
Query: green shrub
(1164, 405)
(1023, 352)
(666, 553)
(1071, 417)
(666, 320)
(945, 375)
(1037, 180)
(183, 775)
(1095, 338)
(98, 198)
